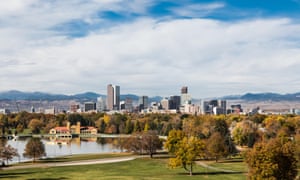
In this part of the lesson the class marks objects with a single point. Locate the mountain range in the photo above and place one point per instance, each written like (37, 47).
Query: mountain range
(15, 95)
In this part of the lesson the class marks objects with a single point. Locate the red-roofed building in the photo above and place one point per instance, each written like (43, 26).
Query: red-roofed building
(75, 129)
(60, 130)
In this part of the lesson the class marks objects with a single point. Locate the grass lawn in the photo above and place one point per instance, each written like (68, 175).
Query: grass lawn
(148, 169)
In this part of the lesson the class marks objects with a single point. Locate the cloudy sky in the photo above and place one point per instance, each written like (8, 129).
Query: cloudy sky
(150, 47)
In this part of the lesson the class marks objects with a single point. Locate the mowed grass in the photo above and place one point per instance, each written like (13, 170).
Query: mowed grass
(146, 168)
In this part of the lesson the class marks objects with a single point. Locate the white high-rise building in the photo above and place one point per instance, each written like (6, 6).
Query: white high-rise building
(185, 97)
(101, 105)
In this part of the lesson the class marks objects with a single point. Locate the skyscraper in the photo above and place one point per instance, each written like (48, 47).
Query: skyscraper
(110, 97)
(116, 97)
(175, 102)
(113, 97)
(143, 102)
(185, 97)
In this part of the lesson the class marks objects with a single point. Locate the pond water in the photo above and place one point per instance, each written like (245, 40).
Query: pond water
(62, 147)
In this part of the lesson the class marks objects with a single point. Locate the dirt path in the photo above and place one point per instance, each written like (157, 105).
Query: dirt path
(73, 163)
(214, 168)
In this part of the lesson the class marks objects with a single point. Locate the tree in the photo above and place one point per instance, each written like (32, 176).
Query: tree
(137, 126)
(3, 123)
(134, 143)
(128, 126)
(35, 125)
(217, 146)
(34, 149)
(221, 127)
(297, 141)
(8, 152)
(273, 160)
(245, 133)
(151, 142)
(144, 141)
(186, 152)
(174, 137)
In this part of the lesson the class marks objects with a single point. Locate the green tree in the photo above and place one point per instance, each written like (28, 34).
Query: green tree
(221, 127)
(34, 149)
(128, 126)
(273, 160)
(216, 146)
(35, 125)
(186, 152)
(245, 133)
(137, 126)
(3, 123)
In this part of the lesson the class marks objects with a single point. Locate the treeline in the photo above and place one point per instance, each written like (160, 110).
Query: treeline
(36, 123)
(244, 130)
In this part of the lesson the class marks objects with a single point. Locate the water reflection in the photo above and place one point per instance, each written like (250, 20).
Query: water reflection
(68, 146)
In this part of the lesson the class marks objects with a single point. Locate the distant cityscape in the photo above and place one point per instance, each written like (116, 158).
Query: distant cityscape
(113, 103)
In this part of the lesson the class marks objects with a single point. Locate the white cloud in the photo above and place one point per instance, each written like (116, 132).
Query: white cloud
(145, 56)
(196, 10)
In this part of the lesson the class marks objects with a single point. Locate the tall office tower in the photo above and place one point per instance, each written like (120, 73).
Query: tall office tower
(222, 105)
(101, 106)
(165, 103)
(110, 97)
(128, 105)
(143, 102)
(185, 97)
(113, 97)
(116, 97)
(175, 102)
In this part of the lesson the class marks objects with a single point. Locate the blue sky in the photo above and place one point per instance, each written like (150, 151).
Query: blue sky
(150, 47)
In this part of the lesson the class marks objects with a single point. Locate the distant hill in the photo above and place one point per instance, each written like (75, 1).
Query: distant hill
(91, 96)
(266, 97)
(15, 95)
(35, 96)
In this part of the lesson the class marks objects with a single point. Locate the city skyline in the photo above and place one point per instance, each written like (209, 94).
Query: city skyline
(149, 47)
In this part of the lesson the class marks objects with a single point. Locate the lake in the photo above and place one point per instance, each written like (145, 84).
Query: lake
(62, 147)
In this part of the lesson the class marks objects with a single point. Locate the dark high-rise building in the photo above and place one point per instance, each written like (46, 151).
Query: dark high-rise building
(89, 106)
(174, 102)
(143, 102)
(116, 97)
(113, 97)
(214, 107)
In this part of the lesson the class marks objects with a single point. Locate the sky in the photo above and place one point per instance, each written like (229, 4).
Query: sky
(150, 47)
